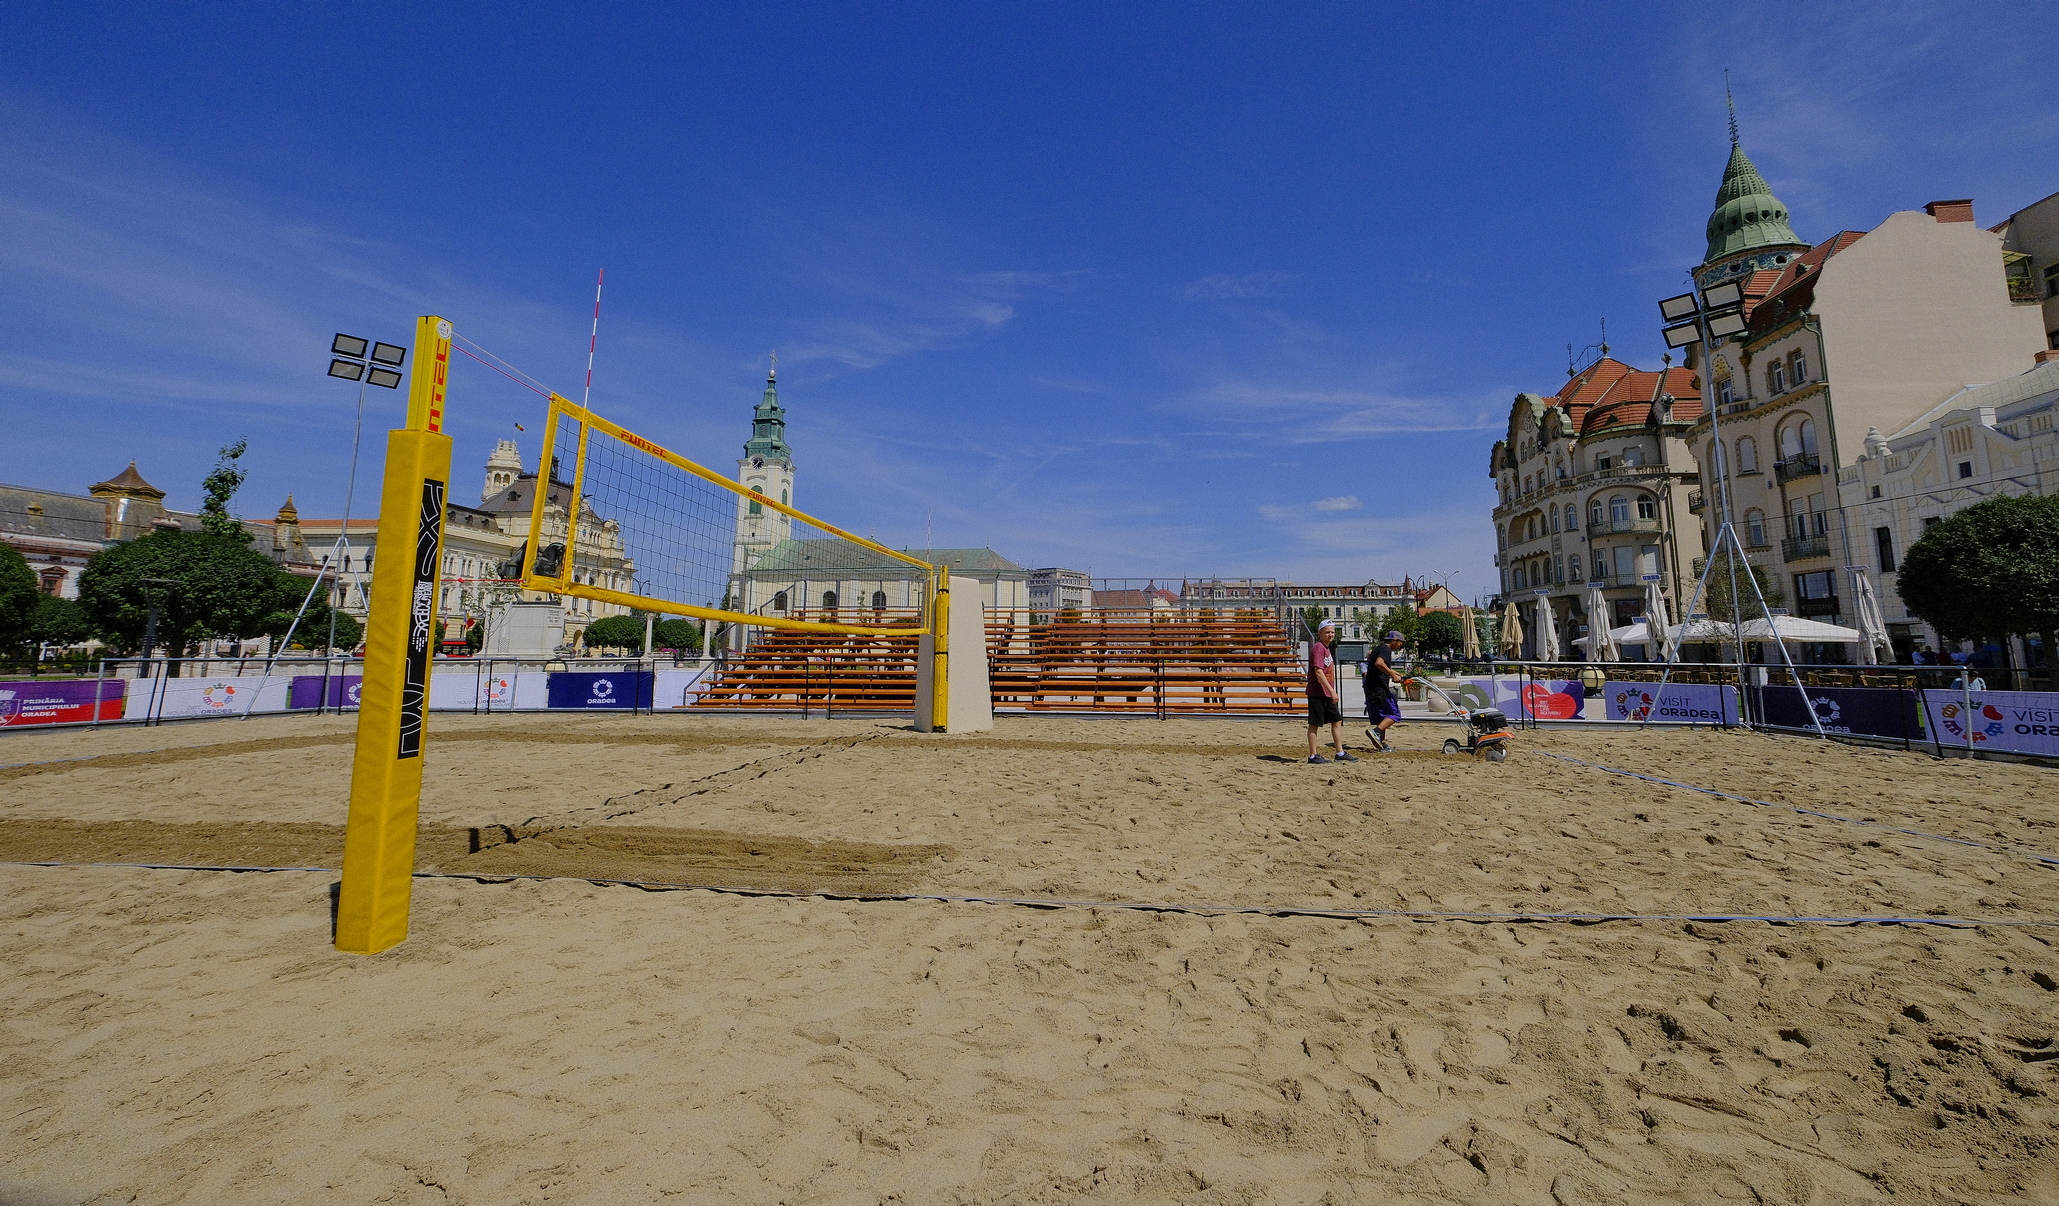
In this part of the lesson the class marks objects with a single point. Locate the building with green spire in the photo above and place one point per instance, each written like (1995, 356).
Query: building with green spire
(766, 468)
(1748, 228)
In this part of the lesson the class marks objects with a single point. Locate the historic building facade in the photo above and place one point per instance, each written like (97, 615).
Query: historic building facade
(1855, 335)
(1594, 487)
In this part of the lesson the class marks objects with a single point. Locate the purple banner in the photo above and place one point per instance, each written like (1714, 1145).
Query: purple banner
(307, 691)
(1873, 711)
(59, 701)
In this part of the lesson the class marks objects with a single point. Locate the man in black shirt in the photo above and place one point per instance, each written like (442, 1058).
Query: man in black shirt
(1381, 678)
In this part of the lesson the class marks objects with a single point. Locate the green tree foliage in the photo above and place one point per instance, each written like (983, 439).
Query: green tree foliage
(1311, 619)
(218, 488)
(1439, 632)
(616, 632)
(1727, 606)
(350, 634)
(1989, 572)
(59, 622)
(18, 595)
(677, 633)
(218, 586)
(1405, 621)
(312, 632)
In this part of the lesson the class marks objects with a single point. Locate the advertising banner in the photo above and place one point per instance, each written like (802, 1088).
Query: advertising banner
(625, 688)
(1527, 698)
(2020, 722)
(343, 691)
(173, 698)
(1679, 703)
(681, 688)
(65, 701)
(1872, 711)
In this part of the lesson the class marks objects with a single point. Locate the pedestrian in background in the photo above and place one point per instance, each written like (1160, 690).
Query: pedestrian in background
(1325, 704)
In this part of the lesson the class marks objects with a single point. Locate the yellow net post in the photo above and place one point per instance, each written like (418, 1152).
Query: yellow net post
(400, 645)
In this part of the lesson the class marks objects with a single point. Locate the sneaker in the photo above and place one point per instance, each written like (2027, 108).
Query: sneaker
(1380, 742)
(1316, 758)
(1346, 756)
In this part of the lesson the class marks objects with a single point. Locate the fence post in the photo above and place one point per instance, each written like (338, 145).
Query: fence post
(99, 687)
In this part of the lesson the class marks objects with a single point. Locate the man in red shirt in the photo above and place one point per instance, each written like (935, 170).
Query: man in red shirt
(1324, 703)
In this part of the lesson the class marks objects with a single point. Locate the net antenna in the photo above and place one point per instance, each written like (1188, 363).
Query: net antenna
(1719, 304)
(593, 341)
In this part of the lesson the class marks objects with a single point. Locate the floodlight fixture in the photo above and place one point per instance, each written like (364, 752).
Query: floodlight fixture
(1682, 335)
(1717, 297)
(385, 378)
(1723, 325)
(1673, 309)
(349, 370)
(389, 355)
(349, 345)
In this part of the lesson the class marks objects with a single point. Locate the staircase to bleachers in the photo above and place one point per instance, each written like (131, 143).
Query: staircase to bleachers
(1141, 662)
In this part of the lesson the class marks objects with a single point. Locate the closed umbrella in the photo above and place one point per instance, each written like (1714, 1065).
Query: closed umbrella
(1469, 635)
(1601, 644)
(1656, 618)
(1874, 645)
(1511, 631)
(1547, 631)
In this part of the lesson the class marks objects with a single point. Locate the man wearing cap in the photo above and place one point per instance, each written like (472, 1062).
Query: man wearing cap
(1324, 707)
(1381, 679)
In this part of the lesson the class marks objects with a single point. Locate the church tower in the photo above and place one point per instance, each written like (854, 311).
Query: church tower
(1748, 230)
(766, 468)
(502, 468)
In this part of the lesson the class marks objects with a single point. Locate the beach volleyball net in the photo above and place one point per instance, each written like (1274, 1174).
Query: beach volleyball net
(622, 520)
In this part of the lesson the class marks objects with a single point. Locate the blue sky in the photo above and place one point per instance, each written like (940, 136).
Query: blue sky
(1138, 289)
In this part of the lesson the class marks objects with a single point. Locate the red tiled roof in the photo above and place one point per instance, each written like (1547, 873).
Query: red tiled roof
(1795, 289)
(1629, 400)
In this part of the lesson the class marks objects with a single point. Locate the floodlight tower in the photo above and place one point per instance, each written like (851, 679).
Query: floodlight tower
(379, 364)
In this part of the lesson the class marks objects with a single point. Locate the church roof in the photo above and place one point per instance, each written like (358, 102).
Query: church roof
(768, 425)
(1747, 215)
(837, 556)
(128, 481)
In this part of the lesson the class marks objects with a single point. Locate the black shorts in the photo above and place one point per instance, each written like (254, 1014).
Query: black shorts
(1322, 709)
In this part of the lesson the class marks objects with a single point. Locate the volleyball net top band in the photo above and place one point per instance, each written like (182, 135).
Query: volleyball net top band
(619, 519)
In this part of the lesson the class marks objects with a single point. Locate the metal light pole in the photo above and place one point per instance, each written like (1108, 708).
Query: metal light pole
(355, 359)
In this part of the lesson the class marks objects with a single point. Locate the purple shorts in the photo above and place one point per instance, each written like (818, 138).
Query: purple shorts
(1383, 706)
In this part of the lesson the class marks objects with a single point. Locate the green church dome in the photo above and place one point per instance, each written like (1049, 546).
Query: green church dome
(1747, 214)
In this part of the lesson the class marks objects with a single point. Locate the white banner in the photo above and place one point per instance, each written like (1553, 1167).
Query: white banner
(680, 688)
(1679, 703)
(2021, 722)
(230, 696)
(471, 688)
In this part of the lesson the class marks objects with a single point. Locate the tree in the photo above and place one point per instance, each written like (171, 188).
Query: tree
(18, 595)
(212, 586)
(59, 622)
(1989, 572)
(1404, 620)
(349, 633)
(1311, 619)
(1740, 606)
(677, 633)
(616, 632)
(313, 630)
(1439, 632)
(218, 488)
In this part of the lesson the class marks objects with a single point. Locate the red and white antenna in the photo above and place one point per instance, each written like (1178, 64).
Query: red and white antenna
(593, 341)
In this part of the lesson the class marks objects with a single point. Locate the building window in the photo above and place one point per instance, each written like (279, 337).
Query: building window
(879, 600)
(1798, 439)
(1601, 462)
(779, 601)
(1965, 469)
(1884, 544)
(2052, 283)
(1819, 585)
(1619, 509)
(1776, 377)
(1876, 491)
(829, 600)
(1755, 528)
(1572, 517)
(1647, 507)
(1797, 369)
(1725, 394)
(1594, 513)
(1554, 519)
(53, 580)
(1931, 521)
(1633, 456)
(1747, 455)
(1574, 566)
(1519, 576)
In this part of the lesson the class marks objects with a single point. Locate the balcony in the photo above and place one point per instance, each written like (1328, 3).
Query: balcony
(1805, 465)
(1615, 527)
(1695, 501)
(1801, 548)
(2023, 289)
(1612, 581)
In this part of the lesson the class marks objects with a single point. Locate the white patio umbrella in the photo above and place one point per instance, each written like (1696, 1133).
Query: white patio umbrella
(1511, 631)
(1657, 620)
(1547, 631)
(1874, 644)
(1601, 646)
(1469, 635)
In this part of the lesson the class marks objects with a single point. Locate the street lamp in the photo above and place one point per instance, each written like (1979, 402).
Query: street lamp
(367, 363)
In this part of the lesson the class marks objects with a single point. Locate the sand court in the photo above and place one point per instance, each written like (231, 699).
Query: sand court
(190, 1036)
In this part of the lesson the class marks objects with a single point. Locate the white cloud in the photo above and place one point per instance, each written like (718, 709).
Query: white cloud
(1222, 286)
(1343, 502)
